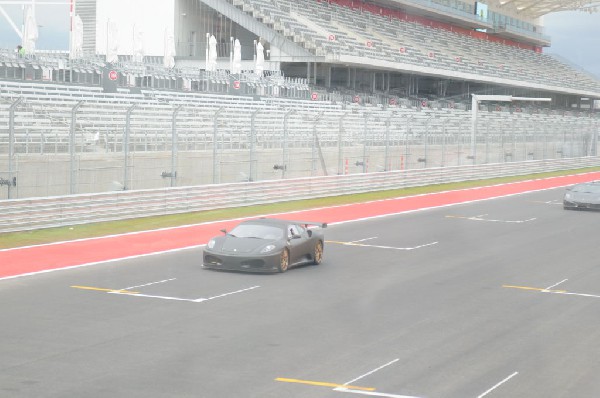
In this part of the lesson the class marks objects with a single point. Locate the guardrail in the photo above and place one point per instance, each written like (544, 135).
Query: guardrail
(49, 212)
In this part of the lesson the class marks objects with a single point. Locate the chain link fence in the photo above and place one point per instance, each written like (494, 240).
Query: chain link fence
(65, 145)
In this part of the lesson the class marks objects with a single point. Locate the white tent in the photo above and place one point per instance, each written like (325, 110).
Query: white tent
(138, 45)
(212, 54)
(260, 59)
(30, 31)
(237, 57)
(77, 38)
(169, 55)
(112, 42)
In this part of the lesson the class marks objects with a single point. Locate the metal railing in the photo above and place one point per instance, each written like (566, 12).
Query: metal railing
(38, 213)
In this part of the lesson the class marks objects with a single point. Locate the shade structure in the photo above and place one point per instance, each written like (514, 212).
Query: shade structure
(76, 38)
(30, 31)
(212, 54)
(169, 55)
(237, 57)
(260, 59)
(112, 42)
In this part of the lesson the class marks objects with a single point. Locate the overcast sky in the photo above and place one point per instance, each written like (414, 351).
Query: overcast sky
(575, 35)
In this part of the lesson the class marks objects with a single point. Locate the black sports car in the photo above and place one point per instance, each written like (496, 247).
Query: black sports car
(266, 245)
(583, 196)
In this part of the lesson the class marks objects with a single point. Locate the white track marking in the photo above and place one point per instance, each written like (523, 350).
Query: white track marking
(332, 207)
(113, 260)
(370, 393)
(498, 385)
(227, 294)
(481, 218)
(149, 284)
(199, 300)
(382, 247)
(372, 371)
(556, 284)
(271, 215)
(364, 240)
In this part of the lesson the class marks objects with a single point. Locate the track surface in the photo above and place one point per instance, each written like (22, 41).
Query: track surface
(495, 298)
(15, 262)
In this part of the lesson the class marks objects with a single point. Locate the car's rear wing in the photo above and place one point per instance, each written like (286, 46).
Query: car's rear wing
(312, 224)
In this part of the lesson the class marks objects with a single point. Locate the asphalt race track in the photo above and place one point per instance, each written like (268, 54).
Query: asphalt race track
(498, 298)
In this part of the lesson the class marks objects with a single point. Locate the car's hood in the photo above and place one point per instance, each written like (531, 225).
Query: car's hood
(232, 244)
(588, 197)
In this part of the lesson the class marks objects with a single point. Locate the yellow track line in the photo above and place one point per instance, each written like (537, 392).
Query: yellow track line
(99, 289)
(324, 384)
(534, 288)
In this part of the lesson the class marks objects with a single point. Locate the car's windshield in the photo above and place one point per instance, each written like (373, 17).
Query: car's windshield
(257, 231)
(587, 188)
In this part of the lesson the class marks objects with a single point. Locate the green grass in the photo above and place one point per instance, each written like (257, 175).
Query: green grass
(18, 239)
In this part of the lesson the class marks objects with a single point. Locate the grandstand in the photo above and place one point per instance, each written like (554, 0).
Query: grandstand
(348, 87)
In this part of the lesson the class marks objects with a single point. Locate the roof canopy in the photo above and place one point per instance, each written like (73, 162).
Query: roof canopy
(536, 8)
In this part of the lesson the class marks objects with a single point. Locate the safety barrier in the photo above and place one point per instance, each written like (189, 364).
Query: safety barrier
(48, 212)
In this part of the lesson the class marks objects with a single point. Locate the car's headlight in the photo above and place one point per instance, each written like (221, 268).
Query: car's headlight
(268, 248)
(567, 196)
(211, 244)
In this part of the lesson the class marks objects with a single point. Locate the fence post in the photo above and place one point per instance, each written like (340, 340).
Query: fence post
(284, 155)
(252, 141)
(366, 129)
(126, 146)
(313, 167)
(174, 140)
(386, 161)
(72, 178)
(340, 145)
(215, 144)
(11, 142)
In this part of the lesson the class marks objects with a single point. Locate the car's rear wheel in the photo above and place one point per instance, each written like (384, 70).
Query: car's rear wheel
(284, 260)
(318, 253)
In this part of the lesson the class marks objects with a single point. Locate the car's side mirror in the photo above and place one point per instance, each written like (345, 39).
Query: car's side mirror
(224, 231)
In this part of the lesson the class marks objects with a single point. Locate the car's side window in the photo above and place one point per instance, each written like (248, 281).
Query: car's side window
(292, 231)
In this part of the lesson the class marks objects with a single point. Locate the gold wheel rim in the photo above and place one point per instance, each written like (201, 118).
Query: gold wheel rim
(284, 260)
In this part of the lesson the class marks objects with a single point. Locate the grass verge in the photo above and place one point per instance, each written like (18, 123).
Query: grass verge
(41, 236)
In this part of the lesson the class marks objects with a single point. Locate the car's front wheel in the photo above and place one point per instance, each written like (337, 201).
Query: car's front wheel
(284, 261)
(318, 253)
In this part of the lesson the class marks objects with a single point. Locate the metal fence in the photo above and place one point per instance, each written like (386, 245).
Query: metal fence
(55, 147)
(28, 214)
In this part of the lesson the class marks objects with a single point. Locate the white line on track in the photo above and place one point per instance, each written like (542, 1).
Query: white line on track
(383, 247)
(199, 300)
(363, 240)
(270, 215)
(498, 385)
(372, 371)
(333, 207)
(481, 218)
(370, 393)
(114, 260)
(149, 284)
(556, 284)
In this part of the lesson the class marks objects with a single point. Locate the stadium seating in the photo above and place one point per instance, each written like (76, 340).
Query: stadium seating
(43, 123)
(342, 31)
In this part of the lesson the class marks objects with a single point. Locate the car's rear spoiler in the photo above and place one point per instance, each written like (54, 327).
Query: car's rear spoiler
(312, 223)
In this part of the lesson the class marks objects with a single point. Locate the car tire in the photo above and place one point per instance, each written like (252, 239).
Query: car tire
(284, 261)
(318, 253)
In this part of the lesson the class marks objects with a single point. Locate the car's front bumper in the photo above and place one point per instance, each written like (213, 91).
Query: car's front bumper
(569, 204)
(249, 263)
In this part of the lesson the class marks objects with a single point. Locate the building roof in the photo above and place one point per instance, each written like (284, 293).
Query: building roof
(537, 8)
